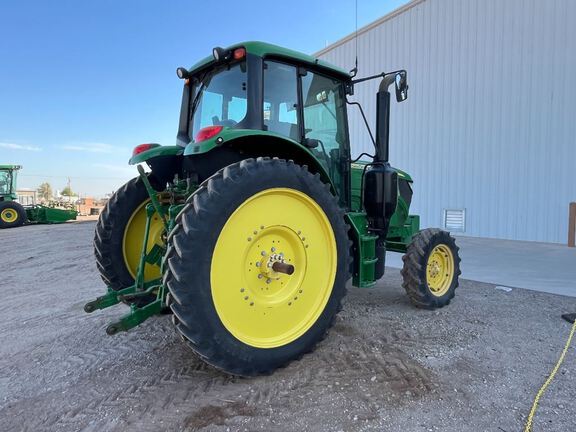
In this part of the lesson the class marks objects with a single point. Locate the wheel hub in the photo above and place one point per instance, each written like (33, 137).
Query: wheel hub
(440, 269)
(9, 215)
(273, 266)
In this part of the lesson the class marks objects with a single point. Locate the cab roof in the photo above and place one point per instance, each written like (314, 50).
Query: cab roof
(13, 167)
(263, 49)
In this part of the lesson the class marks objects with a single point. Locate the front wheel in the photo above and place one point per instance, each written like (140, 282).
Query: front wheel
(257, 266)
(431, 269)
(12, 214)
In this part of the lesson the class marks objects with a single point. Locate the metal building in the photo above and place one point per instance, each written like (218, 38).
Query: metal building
(489, 129)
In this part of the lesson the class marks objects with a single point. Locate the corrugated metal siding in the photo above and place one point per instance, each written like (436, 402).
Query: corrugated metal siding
(490, 122)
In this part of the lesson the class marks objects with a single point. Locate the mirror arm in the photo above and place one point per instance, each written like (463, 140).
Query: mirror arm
(386, 75)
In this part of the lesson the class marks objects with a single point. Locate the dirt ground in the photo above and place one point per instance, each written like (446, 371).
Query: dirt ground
(385, 366)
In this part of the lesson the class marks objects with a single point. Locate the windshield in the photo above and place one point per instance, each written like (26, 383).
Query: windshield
(5, 182)
(218, 98)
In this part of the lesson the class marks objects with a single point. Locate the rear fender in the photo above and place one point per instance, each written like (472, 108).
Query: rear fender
(164, 161)
(232, 145)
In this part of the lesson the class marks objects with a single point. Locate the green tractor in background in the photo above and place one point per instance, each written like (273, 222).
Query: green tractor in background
(13, 214)
(249, 229)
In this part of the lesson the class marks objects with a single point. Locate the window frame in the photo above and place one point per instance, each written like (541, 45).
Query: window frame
(302, 70)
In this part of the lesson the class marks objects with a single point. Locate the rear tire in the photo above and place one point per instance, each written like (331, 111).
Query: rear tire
(110, 236)
(12, 214)
(234, 312)
(431, 269)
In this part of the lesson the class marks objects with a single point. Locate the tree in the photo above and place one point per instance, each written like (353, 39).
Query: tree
(45, 191)
(67, 191)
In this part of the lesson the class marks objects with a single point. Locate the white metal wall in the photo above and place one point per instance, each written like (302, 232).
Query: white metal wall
(490, 122)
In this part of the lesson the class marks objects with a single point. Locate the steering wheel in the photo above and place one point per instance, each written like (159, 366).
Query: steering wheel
(228, 123)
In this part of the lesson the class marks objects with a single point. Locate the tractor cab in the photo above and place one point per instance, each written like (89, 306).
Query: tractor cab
(8, 174)
(258, 88)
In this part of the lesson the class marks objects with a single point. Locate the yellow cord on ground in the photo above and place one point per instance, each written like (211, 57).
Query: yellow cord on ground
(528, 427)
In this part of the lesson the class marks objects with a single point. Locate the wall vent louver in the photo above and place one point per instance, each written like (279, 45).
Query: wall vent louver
(454, 220)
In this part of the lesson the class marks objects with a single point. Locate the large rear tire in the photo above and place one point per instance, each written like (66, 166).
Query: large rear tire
(257, 266)
(119, 236)
(12, 214)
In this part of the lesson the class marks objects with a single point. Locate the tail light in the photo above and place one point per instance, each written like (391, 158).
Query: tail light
(239, 53)
(207, 133)
(142, 148)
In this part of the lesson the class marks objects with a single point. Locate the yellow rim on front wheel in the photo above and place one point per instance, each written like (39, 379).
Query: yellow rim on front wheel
(440, 270)
(134, 237)
(279, 229)
(9, 215)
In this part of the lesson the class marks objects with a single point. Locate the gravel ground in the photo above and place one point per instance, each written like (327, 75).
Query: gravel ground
(385, 366)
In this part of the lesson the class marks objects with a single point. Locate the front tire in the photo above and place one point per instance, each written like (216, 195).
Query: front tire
(431, 269)
(235, 310)
(12, 214)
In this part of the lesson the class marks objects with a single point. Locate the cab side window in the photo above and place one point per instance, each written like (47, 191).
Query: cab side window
(281, 99)
(323, 111)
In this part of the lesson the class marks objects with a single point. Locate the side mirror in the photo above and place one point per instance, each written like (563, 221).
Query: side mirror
(401, 86)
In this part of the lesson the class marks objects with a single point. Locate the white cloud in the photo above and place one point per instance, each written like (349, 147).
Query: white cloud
(19, 146)
(89, 147)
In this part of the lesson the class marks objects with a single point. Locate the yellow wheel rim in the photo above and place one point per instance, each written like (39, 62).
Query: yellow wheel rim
(9, 215)
(134, 237)
(440, 270)
(258, 305)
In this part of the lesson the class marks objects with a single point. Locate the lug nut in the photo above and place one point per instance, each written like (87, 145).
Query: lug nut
(268, 280)
(263, 253)
(273, 249)
(260, 276)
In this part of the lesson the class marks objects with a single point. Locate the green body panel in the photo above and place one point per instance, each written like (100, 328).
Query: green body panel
(399, 237)
(48, 215)
(263, 49)
(365, 247)
(402, 226)
(156, 152)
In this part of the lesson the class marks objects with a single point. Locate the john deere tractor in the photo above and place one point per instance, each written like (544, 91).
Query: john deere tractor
(13, 214)
(249, 228)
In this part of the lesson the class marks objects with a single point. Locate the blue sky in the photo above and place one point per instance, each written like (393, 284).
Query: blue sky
(83, 82)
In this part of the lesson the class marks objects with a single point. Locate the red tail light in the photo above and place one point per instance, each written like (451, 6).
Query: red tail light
(239, 53)
(207, 133)
(142, 148)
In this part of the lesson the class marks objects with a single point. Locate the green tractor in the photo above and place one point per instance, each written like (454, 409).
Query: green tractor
(13, 214)
(249, 228)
